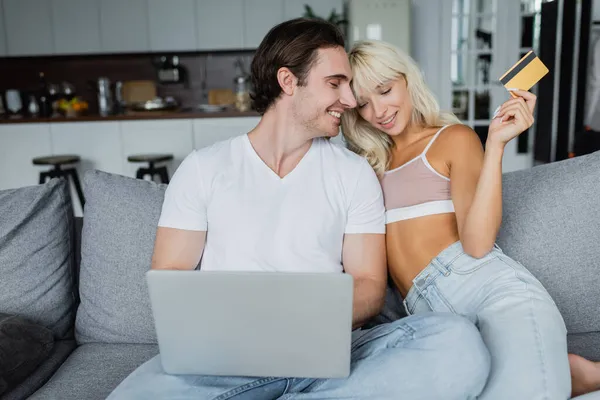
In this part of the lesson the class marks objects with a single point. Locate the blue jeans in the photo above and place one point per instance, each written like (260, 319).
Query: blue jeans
(518, 320)
(432, 356)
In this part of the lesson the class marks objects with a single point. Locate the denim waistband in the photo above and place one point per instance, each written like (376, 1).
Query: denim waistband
(453, 255)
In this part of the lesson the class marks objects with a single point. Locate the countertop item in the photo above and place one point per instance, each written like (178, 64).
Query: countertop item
(211, 108)
(221, 97)
(138, 91)
(156, 104)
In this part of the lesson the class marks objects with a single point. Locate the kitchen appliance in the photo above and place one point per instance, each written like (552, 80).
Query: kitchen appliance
(105, 98)
(119, 104)
(14, 103)
(170, 70)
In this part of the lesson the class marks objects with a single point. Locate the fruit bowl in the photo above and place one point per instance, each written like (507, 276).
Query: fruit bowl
(72, 108)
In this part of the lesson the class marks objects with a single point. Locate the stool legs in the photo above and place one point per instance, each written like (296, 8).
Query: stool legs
(164, 175)
(73, 173)
(43, 177)
(141, 172)
(161, 172)
(57, 172)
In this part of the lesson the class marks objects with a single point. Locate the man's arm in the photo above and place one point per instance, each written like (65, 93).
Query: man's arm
(364, 257)
(182, 225)
(177, 249)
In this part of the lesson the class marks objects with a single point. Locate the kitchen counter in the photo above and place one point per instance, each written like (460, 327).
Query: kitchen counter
(135, 116)
(106, 143)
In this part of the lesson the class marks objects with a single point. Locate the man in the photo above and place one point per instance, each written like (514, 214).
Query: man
(284, 198)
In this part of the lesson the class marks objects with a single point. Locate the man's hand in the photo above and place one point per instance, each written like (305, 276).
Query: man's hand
(364, 257)
(177, 249)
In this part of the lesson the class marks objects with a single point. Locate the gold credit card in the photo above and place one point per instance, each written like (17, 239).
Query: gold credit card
(525, 73)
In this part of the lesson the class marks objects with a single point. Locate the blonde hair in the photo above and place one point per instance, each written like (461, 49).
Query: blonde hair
(375, 63)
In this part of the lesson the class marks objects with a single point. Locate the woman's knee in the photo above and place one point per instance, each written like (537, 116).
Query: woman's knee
(463, 359)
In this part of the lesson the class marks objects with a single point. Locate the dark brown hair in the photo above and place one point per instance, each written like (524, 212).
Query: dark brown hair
(292, 44)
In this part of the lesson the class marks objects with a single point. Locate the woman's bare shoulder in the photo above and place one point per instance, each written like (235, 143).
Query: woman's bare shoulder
(456, 141)
(458, 138)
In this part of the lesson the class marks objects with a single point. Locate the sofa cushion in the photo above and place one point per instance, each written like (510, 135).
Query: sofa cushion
(119, 227)
(23, 347)
(585, 344)
(551, 224)
(42, 374)
(36, 255)
(94, 370)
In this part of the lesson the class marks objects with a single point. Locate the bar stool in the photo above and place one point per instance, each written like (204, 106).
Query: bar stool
(57, 162)
(151, 169)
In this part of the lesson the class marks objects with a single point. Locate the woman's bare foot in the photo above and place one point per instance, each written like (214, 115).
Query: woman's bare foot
(585, 375)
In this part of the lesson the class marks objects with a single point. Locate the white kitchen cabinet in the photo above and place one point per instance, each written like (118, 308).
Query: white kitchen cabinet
(220, 24)
(211, 130)
(98, 144)
(124, 26)
(259, 17)
(20, 143)
(322, 8)
(105, 145)
(158, 136)
(2, 32)
(28, 26)
(172, 26)
(75, 26)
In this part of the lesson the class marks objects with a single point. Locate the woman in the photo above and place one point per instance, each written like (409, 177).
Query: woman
(585, 375)
(443, 201)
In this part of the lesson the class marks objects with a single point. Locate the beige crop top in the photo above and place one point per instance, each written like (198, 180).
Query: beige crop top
(415, 189)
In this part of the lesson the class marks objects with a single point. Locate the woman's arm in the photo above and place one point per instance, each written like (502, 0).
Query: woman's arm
(476, 177)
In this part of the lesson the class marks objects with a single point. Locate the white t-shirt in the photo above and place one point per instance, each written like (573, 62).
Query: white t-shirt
(257, 221)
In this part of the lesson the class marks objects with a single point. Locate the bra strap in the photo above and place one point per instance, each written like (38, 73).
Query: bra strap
(434, 137)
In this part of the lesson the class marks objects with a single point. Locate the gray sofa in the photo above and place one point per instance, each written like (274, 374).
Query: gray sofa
(86, 282)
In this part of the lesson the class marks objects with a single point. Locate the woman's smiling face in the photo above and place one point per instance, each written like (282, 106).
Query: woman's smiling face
(388, 107)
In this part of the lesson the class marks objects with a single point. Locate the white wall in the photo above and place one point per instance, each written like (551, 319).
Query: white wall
(429, 44)
(420, 31)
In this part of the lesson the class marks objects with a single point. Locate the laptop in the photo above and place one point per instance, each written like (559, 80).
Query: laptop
(253, 324)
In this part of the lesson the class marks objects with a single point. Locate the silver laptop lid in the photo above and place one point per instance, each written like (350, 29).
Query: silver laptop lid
(253, 323)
